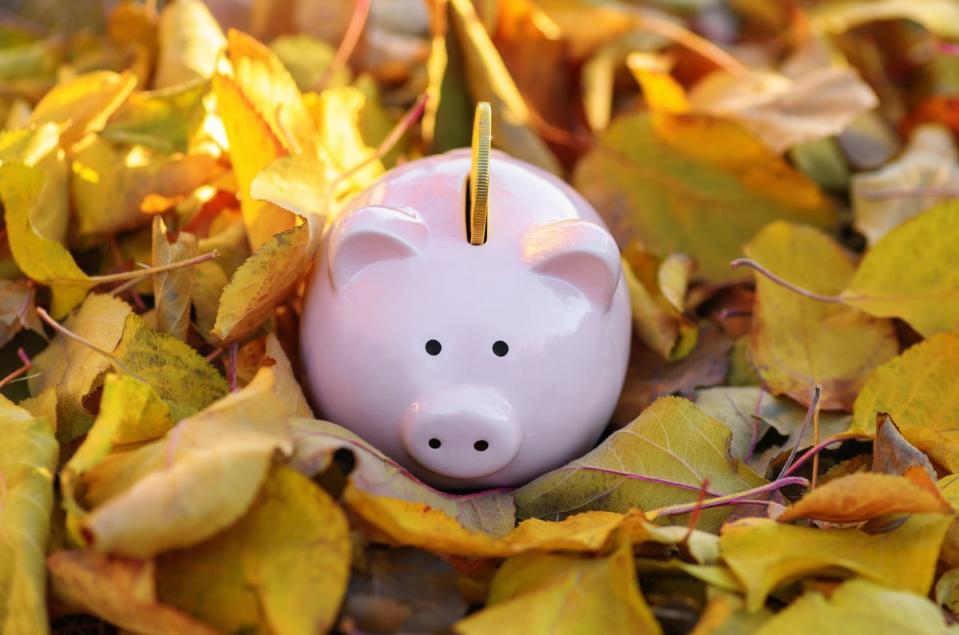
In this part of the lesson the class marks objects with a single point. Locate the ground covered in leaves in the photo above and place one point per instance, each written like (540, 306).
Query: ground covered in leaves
(780, 176)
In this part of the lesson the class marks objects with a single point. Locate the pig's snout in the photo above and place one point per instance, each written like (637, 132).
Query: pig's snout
(468, 432)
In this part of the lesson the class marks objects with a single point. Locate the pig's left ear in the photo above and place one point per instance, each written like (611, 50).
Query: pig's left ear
(372, 234)
(578, 252)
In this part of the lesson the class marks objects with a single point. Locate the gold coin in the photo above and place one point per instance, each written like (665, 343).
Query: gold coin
(479, 173)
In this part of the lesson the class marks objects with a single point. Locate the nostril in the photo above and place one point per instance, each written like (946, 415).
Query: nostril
(435, 443)
(480, 446)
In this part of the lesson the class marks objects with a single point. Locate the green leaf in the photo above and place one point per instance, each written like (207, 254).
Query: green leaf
(28, 458)
(662, 458)
(281, 568)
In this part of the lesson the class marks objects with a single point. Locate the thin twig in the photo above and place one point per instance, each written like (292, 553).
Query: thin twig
(825, 443)
(730, 499)
(27, 363)
(752, 264)
(920, 192)
(79, 339)
(690, 40)
(142, 273)
(816, 393)
(815, 442)
(697, 511)
(348, 44)
(385, 146)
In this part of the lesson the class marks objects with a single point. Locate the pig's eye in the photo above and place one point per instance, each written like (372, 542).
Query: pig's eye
(500, 348)
(433, 347)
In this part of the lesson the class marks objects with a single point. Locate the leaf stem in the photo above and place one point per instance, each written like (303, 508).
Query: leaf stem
(819, 447)
(351, 38)
(27, 363)
(729, 499)
(813, 405)
(142, 273)
(79, 339)
(752, 264)
(922, 192)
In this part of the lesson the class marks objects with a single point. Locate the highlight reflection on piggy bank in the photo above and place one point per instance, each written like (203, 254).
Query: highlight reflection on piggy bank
(472, 366)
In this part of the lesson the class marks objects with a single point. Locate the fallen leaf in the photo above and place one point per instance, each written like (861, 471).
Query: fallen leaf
(285, 385)
(784, 111)
(753, 549)
(892, 454)
(857, 606)
(905, 187)
(690, 200)
(190, 43)
(28, 458)
(71, 370)
(662, 458)
(111, 181)
(295, 183)
(912, 273)
(282, 567)
(192, 483)
(41, 259)
(163, 119)
(919, 389)
(172, 289)
(658, 319)
(174, 369)
(798, 342)
(84, 103)
(120, 590)
(947, 591)
(262, 282)
(865, 495)
(533, 593)
(315, 443)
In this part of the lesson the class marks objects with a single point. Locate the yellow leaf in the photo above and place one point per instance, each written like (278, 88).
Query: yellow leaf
(281, 568)
(84, 103)
(539, 593)
(658, 320)
(315, 443)
(765, 554)
(190, 42)
(710, 189)
(110, 183)
(858, 606)
(912, 273)
(798, 342)
(865, 495)
(296, 183)
(43, 260)
(661, 458)
(172, 289)
(174, 369)
(662, 92)
(262, 282)
(489, 80)
(119, 590)
(28, 458)
(163, 119)
(920, 391)
(253, 146)
(401, 522)
(949, 486)
(196, 481)
(38, 146)
(900, 189)
(71, 370)
(285, 386)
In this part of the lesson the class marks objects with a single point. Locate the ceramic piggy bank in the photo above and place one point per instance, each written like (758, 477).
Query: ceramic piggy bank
(471, 365)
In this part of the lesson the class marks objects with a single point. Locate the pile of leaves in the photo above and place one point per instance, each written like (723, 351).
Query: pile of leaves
(780, 176)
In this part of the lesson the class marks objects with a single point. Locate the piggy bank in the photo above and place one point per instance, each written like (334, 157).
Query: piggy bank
(471, 365)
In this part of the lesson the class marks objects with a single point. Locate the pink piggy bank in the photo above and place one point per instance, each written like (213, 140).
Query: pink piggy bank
(472, 366)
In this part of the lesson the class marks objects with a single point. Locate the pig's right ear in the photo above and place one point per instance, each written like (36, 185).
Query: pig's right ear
(372, 234)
